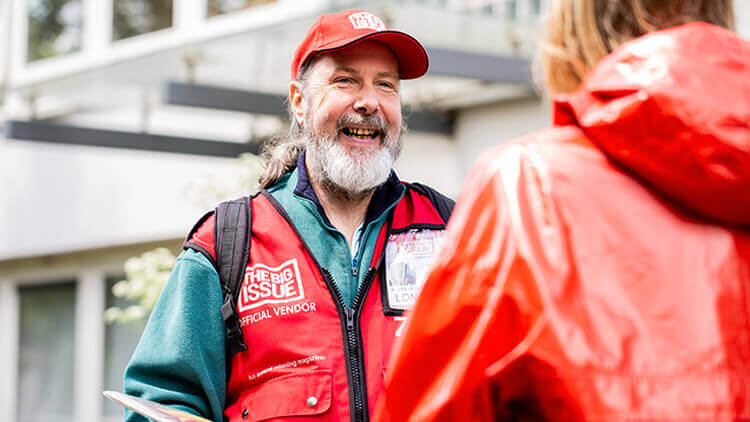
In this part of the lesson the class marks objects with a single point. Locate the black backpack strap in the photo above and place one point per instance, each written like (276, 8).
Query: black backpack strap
(232, 243)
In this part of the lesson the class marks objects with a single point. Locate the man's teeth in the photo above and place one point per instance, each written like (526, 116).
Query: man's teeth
(360, 132)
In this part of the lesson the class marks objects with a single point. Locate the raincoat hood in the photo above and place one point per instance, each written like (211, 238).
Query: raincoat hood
(570, 284)
(673, 109)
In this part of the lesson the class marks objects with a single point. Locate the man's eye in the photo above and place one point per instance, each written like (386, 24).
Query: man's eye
(344, 80)
(386, 85)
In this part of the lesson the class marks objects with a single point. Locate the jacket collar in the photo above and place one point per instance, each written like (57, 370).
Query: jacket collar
(384, 196)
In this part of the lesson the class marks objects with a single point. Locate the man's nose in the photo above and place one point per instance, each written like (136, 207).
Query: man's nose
(367, 101)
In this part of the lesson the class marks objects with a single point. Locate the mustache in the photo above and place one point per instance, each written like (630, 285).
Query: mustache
(357, 119)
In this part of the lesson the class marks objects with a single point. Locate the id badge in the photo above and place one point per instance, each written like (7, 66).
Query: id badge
(408, 258)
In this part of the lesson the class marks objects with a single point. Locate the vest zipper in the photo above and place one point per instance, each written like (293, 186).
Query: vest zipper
(353, 350)
(351, 341)
(354, 354)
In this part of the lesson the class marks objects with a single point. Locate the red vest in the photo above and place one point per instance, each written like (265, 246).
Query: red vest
(307, 353)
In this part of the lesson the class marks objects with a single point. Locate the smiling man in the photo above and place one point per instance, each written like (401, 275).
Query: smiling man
(339, 248)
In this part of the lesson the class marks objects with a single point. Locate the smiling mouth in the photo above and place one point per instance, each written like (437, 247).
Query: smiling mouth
(361, 133)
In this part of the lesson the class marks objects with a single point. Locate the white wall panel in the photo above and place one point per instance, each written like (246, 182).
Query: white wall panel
(89, 346)
(59, 198)
(485, 127)
(430, 159)
(8, 350)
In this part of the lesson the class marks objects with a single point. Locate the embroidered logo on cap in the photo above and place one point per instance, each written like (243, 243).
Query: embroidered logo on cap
(264, 284)
(364, 20)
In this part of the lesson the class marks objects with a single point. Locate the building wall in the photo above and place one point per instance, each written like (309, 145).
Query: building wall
(56, 353)
(444, 162)
(430, 159)
(488, 126)
(61, 198)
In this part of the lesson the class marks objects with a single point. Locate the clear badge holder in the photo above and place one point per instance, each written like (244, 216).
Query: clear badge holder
(408, 259)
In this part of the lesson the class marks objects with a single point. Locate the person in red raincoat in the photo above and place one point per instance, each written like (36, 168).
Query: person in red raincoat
(600, 269)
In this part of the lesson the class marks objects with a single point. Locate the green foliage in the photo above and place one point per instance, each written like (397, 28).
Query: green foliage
(54, 27)
(136, 17)
(145, 275)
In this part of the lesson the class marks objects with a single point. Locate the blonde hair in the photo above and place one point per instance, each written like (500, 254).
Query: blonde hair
(579, 33)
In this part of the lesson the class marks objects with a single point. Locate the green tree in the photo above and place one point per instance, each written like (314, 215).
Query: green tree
(54, 28)
(136, 17)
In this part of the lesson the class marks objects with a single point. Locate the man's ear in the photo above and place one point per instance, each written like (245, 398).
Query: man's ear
(297, 101)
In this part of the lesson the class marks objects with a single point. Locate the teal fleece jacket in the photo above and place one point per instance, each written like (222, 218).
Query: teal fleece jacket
(180, 360)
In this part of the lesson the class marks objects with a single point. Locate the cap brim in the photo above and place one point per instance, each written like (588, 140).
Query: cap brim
(411, 55)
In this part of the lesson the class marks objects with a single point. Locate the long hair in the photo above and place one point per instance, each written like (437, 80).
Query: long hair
(579, 33)
(279, 155)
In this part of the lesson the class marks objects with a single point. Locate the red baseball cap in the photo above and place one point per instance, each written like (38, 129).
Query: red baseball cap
(340, 30)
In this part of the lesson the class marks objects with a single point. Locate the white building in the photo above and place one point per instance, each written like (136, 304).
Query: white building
(174, 87)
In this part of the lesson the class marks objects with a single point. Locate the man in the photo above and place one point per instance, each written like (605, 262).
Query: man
(336, 244)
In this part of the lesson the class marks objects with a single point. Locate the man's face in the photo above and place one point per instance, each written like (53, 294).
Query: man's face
(351, 115)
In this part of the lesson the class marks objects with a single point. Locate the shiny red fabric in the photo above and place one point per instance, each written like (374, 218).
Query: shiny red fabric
(599, 270)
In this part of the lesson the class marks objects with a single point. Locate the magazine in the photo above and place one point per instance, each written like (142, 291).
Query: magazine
(152, 410)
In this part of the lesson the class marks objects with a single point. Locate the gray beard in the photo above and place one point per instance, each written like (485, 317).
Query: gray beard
(348, 172)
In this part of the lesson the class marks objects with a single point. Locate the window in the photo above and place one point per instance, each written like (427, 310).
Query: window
(536, 7)
(510, 9)
(46, 355)
(54, 28)
(219, 7)
(136, 17)
(120, 341)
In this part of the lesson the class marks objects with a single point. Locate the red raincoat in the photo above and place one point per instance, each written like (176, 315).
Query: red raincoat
(600, 270)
